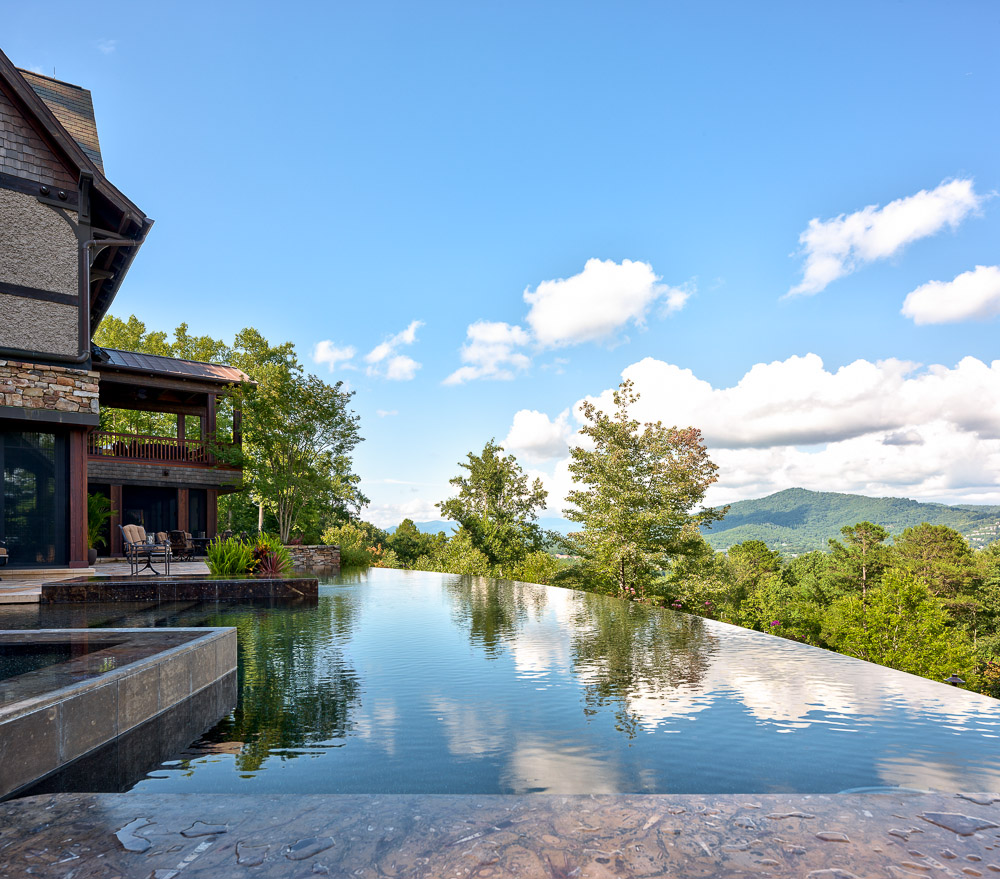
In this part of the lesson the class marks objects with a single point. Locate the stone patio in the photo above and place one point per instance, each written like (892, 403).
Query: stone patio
(892, 835)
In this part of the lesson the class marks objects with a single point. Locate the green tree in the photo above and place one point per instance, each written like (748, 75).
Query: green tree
(496, 507)
(640, 485)
(409, 543)
(939, 556)
(298, 432)
(858, 564)
(903, 626)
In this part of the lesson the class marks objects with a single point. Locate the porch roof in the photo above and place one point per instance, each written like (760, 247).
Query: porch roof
(156, 365)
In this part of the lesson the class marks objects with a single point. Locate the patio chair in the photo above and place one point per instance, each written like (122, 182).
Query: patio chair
(137, 549)
(3, 554)
(181, 545)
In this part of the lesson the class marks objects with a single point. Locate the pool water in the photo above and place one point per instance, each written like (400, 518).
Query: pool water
(413, 682)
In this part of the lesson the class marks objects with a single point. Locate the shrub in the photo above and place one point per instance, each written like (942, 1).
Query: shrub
(98, 513)
(384, 558)
(272, 556)
(356, 550)
(229, 557)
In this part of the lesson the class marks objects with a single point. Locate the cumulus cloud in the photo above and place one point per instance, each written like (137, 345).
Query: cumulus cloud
(328, 353)
(384, 360)
(106, 47)
(535, 437)
(972, 295)
(890, 427)
(385, 413)
(836, 247)
(491, 351)
(591, 306)
(594, 304)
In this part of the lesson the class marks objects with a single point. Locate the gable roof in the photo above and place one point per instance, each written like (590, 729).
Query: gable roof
(73, 106)
(114, 216)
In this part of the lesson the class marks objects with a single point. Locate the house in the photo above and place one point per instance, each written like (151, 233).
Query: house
(67, 239)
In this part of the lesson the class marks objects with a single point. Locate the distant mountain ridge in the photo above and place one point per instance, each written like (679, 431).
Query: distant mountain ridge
(563, 526)
(797, 520)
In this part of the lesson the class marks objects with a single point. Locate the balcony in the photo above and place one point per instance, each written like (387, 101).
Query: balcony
(105, 445)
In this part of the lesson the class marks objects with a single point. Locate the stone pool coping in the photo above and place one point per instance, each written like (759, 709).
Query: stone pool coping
(829, 836)
(55, 715)
(179, 587)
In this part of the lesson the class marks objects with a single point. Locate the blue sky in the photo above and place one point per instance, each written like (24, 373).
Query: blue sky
(594, 189)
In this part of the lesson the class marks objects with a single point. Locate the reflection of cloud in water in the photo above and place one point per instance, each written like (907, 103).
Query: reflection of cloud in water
(914, 770)
(471, 728)
(778, 681)
(378, 725)
(560, 769)
(543, 646)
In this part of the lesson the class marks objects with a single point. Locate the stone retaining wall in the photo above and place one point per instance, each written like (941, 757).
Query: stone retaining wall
(315, 558)
(57, 388)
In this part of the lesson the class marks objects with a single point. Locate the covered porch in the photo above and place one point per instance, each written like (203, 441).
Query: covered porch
(166, 447)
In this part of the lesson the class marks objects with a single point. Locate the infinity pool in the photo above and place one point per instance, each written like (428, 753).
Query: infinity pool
(412, 682)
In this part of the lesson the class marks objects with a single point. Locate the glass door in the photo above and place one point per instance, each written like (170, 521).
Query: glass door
(34, 504)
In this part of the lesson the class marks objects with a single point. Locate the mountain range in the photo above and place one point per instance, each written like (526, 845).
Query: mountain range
(796, 520)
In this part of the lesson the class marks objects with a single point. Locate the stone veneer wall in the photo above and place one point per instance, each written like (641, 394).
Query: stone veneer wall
(58, 388)
(312, 558)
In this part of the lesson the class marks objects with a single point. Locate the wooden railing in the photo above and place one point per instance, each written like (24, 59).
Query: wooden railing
(137, 447)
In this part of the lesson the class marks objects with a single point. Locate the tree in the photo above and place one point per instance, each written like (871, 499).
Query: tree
(939, 556)
(641, 484)
(409, 543)
(298, 432)
(903, 626)
(857, 565)
(496, 507)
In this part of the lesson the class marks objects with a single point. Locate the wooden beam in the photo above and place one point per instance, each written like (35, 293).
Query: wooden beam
(115, 548)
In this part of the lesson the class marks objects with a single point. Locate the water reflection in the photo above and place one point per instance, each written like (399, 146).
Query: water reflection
(646, 662)
(493, 610)
(296, 687)
(412, 682)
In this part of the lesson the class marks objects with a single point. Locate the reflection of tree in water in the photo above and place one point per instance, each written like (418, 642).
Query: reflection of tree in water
(622, 649)
(493, 610)
(295, 687)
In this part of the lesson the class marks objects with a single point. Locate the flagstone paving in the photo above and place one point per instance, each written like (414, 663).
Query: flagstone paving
(893, 835)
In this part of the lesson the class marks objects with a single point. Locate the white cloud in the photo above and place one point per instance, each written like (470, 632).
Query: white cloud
(385, 515)
(383, 360)
(535, 437)
(889, 428)
(595, 303)
(328, 353)
(401, 368)
(972, 295)
(490, 351)
(107, 46)
(385, 413)
(836, 247)
(587, 307)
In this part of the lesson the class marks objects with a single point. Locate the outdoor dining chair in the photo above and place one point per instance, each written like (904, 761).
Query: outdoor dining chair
(138, 549)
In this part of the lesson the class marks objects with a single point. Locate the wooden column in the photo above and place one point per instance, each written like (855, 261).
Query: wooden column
(116, 519)
(208, 425)
(212, 513)
(183, 523)
(237, 427)
(78, 499)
